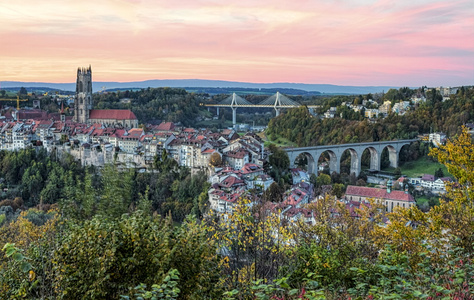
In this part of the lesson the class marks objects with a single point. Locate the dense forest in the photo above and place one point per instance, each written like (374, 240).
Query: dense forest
(300, 127)
(106, 238)
(32, 178)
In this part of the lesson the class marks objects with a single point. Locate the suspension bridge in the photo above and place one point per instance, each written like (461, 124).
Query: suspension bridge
(277, 102)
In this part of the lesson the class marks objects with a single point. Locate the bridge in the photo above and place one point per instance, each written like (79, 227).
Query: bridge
(356, 150)
(277, 102)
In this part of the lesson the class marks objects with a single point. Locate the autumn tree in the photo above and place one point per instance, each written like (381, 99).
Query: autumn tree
(457, 214)
(215, 159)
(255, 243)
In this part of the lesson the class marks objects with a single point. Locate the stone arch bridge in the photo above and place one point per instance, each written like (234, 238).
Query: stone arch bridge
(356, 149)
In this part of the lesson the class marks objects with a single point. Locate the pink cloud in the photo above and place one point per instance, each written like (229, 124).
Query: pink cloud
(344, 42)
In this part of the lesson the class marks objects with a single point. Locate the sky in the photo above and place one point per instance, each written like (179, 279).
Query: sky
(357, 42)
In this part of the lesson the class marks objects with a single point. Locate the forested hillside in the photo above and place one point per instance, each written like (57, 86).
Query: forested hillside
(154, 104)
(300, 127)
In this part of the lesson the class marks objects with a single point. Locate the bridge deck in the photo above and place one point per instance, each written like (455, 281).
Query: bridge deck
(258, 105)
(348, 145)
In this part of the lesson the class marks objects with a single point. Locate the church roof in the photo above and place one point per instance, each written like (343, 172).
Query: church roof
(115, 114)
(378, 193)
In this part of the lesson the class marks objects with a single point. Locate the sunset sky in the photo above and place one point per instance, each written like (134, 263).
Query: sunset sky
(356, 42)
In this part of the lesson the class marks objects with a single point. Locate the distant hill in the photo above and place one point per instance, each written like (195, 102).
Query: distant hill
(199, 84)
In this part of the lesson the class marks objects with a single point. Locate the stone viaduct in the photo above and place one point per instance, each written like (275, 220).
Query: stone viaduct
(335, 153)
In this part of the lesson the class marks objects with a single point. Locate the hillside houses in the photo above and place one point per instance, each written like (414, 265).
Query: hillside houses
(188, 146)
(229, 184)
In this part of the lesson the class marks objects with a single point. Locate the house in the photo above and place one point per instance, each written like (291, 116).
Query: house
(434, 184)
(263, 180)
(237, 159)
(427, 181)
(294, 214)
(437, 138)
(222, 201)
(372, 113)
(299, 175)
(385, 107)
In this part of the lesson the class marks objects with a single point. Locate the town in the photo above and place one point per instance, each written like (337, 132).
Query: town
(236, 163)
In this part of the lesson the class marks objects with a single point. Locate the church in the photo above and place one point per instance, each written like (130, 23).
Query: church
(389, 198)
(83, 112)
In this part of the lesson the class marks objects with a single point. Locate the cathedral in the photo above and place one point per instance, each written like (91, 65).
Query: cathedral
(83, 112)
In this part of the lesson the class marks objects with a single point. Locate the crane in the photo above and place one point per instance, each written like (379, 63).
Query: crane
(17, 101)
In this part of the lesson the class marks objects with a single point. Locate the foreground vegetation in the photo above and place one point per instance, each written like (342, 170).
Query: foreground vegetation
(95, 244)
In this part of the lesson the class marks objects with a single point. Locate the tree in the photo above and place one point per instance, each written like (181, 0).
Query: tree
(439, 173)
(274, 193)
(22, 91)
(256, 243)
(397, 172)
(105, 258)
(458, 157)
(116, 194)
(279, 158)
(323, 179)
(338, 189)
(215, 159)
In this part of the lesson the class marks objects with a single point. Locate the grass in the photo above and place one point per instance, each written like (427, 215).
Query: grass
(280, 142)
(419, 167)
(423, 165)
(421, 200)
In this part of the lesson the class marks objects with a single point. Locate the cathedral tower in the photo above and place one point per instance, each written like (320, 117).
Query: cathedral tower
(83, 101)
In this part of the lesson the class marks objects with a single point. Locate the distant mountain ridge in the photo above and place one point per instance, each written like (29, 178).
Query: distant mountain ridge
(202, 83)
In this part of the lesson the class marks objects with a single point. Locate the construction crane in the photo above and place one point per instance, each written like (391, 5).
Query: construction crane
(17, 101)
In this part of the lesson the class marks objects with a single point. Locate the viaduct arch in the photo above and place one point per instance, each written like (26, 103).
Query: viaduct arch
(356, 149)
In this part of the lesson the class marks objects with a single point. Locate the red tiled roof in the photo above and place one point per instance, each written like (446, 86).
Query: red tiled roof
(118, 133)
(165, 126)
(209, 151)
(116, 114)
(231, 181)
(378, 193)
(36, 114)
(251, 168)
(428, 177)
(237, 154)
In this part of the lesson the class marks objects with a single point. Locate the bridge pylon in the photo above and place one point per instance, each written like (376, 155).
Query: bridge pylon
(277, 104)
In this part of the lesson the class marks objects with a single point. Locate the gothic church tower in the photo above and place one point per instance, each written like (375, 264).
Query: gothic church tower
(83, 101)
